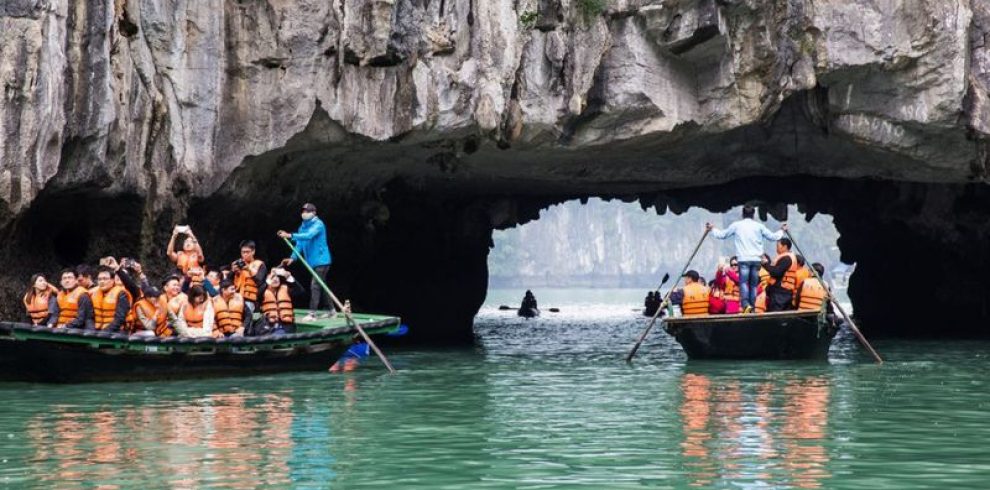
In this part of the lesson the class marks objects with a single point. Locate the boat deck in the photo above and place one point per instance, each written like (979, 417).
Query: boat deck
(739, 317)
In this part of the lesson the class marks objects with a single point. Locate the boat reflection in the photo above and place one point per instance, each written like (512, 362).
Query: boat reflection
(234, 440)
(765, 432)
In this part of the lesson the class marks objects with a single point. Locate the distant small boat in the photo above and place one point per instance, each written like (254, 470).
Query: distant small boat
(528, 312)
(504, 307)
(767, 336)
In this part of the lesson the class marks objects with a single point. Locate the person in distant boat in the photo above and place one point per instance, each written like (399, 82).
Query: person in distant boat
(277, 313)
(230, 312)
(783, 278)
(249, 275)
(195, 318)
(695, 295)
(529, 301)
(40, 301)
(191, 255)
(651, 304)
(311, 241)
(728, 280)
(75, 307)
(151, 316)
(812, 293)
(749, 236)
(110, 302)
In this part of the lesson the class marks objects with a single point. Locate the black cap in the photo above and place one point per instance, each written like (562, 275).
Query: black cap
(309, 207)
(692, 274)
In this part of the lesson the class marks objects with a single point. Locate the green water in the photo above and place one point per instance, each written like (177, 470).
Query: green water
(545, 403)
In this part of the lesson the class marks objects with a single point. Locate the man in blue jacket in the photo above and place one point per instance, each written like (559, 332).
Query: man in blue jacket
(311, 241)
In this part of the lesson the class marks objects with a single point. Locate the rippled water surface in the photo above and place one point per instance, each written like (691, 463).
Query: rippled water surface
(544, 403)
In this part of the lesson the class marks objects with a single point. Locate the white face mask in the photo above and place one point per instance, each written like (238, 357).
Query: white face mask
(306, 216)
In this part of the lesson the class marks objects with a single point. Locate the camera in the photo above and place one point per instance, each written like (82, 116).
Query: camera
(240, 263)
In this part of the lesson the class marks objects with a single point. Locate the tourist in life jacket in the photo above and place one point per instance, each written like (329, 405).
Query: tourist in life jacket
(249, 275)
(171, 301)
(151, 316)
(191, 255)
(695, 295)
(75, 307)
(86, 276)
(813, 293)
(231, 314)
(110, 302)
(40, 301)
(196, 316)
(727, 281)
(783, 278)
(748, 240)
(277, 313)
(311, 241)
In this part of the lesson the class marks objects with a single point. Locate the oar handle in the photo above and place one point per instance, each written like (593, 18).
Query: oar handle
(852, 325)
(347, 314)
(666, 298)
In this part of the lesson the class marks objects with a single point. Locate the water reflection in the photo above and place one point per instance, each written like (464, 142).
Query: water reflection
(237, 440)
(765, 432)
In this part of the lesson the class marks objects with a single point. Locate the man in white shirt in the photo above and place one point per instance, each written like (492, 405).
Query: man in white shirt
(749, 236)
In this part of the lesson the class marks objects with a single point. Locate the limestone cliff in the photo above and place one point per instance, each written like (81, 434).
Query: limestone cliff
(473, 114)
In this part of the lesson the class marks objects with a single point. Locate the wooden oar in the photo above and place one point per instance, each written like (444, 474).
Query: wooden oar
(666, 297)
(347, 314)
(852, 325)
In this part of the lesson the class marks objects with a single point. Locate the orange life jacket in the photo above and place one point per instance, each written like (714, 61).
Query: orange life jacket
(730, 292)
(813, 295)
(277, 307)
(37, 304)
(154, 310)
(194, 315)
(803, 273)
(244, 281)
(789, 281)
(196, 276)
(695, 300)
(229, 314)
(131, 321)
(761, 302)
(172, 305)
(68, 305)
(186, 261)
(105, 304)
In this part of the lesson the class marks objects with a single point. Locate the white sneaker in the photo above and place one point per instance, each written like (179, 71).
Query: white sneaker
(310, 317)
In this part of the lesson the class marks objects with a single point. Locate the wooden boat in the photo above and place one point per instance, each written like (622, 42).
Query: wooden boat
(32, 353)
(778, 335)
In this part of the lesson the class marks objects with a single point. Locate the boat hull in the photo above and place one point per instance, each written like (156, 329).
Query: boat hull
(771, 336)
(528, 312)
(40, 354)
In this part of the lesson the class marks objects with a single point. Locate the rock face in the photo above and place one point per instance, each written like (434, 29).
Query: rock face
(421, 125)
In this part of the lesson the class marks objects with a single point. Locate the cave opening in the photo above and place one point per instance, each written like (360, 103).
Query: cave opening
(611, 253)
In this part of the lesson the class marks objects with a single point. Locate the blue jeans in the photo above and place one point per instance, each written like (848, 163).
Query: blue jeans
(749, 279)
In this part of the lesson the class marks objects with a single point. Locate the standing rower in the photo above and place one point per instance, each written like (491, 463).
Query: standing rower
(311, 241)
(749, 236)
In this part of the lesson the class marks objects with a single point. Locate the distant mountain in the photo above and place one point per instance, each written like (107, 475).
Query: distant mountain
(616, 244)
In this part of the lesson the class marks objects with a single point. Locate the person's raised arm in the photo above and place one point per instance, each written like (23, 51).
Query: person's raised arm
(129, 284)
(170, 248)
(721, 234)
(773, 235)
(198, 248)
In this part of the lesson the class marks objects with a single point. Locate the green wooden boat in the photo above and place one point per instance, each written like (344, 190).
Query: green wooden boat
(32, 353)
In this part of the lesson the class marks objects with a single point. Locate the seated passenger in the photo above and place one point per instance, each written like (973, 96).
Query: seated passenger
(40, 302)
(195, 318)
(191, 255)
(727, 279)
(87, 278)
(695, 295)
(802, 273)
(813, 294)
(716, 305)
(278, 315)
(232, 315)
(171, 300)
(151, 316)
(110, 302)
(249, 275)
(214, 280)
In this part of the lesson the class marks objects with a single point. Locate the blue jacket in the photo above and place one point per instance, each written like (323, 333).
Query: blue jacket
(311, 241)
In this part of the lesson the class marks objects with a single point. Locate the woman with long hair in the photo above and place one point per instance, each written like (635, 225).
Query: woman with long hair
(40, 302)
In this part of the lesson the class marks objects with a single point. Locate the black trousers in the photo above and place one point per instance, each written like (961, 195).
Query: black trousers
(316, 292)
(779, 299)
